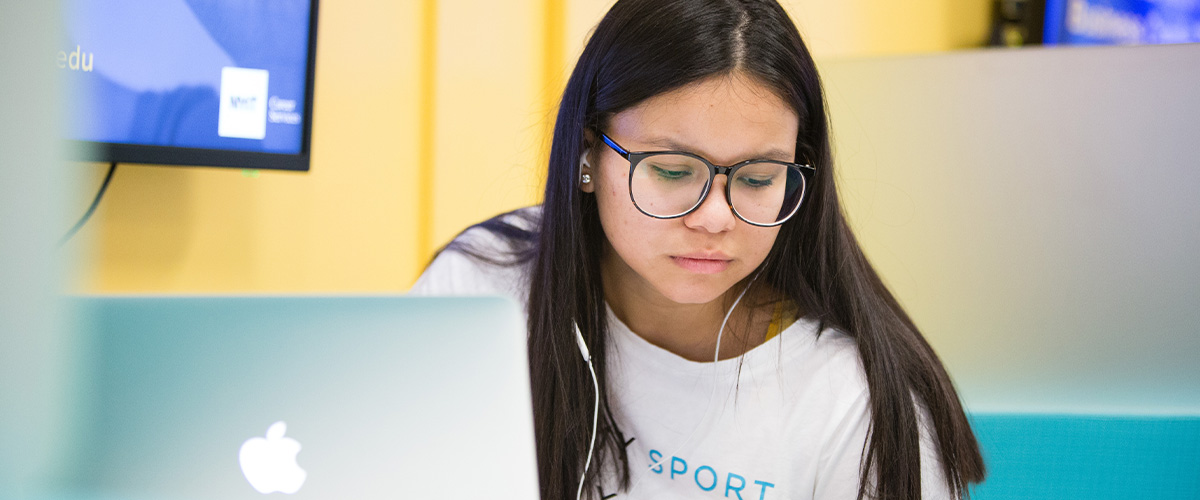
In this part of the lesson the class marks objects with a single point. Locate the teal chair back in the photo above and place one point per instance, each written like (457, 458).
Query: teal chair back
(1092, 457)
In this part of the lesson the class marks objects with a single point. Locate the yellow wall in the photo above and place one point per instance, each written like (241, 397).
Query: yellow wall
(490, 96)
(877, 27)
(430, 115)
(348, 224)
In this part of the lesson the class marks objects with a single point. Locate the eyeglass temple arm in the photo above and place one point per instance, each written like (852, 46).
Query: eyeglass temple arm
(616, 147)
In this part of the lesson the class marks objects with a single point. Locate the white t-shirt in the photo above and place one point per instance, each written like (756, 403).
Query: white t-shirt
(787, 420)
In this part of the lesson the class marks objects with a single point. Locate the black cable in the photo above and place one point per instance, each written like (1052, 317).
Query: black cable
(83, 220)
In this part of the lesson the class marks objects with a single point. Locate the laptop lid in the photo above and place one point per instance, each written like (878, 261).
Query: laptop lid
(305, 397)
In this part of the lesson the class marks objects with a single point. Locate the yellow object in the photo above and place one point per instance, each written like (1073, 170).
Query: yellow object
(783, 317)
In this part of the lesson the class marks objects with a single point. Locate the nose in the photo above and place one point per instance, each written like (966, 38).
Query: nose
(714, 215)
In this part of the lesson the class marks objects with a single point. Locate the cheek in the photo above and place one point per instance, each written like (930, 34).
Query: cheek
(613, 184)
(635, 237)
(616, 211)
(754, 244)
(765, 240)
(624, 226)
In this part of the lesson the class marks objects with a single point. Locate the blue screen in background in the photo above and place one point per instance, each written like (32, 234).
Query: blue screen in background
(213, 74)
(1122, 22)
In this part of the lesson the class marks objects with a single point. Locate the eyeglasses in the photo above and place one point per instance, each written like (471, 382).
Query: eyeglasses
(671, 184)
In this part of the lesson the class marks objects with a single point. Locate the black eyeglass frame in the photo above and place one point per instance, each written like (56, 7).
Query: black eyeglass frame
(635, 157)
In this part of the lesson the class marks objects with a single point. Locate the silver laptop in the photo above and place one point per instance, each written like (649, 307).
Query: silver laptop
(305, 397)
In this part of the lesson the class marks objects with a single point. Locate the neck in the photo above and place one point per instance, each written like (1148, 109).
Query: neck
(689, 330)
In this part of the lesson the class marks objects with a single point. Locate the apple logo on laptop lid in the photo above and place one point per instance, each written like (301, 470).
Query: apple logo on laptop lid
(269, 464)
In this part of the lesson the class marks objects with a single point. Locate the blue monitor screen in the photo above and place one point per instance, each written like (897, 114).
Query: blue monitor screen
(1121, 22)
(200, 82)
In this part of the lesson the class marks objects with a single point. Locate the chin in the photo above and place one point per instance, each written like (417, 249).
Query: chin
(684, 293)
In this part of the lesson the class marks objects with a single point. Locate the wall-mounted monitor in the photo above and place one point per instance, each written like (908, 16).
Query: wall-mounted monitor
(1121, 22)
(190, 82)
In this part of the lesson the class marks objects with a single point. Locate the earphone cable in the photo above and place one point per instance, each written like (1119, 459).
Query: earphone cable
(595, 418)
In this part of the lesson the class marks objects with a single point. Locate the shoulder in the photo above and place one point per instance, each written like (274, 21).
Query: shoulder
(829, 372)
(839, 370)
(483, 260)
(824, 362)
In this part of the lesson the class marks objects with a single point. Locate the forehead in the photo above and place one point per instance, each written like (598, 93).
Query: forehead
(726, 118)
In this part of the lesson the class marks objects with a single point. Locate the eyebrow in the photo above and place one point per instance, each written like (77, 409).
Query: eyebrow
(776, 154)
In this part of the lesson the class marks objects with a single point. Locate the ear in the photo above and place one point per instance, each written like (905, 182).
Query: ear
(587, 175)
(585, 162)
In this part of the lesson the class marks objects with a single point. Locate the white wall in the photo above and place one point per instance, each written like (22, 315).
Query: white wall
(1038, 214)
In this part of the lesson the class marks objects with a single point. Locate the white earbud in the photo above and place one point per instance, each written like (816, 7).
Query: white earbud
(583, 163)
(587, 356)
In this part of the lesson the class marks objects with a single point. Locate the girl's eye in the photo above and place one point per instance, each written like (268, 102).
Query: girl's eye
(757, 182)
(670, 173)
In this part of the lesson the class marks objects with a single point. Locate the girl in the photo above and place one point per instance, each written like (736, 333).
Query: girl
(742, 346)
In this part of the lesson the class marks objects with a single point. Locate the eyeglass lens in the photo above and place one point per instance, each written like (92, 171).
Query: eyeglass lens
(670, 185)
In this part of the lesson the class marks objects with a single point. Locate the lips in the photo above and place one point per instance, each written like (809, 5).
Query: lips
(702, 263)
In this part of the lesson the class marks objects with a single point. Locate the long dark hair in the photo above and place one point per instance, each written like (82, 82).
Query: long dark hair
(643, 48)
